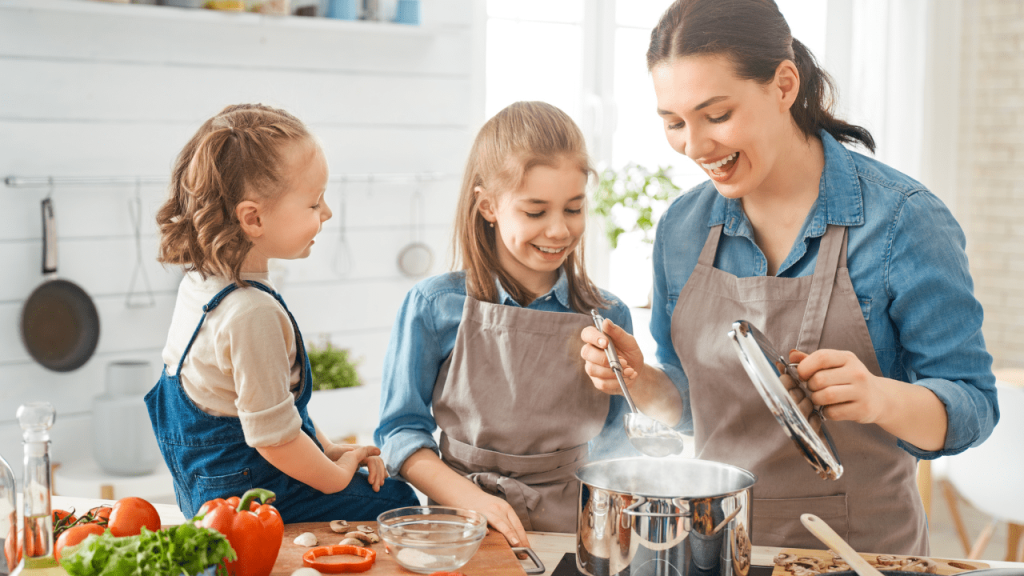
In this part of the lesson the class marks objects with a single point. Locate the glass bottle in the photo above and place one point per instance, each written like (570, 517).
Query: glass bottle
(8, 511)
(36, 419)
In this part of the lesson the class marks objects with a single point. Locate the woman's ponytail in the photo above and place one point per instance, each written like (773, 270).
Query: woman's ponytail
(815, 102)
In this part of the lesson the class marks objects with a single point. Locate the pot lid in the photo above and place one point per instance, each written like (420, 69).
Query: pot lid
(765, 367)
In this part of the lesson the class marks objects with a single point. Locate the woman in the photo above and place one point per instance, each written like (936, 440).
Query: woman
(829, 252)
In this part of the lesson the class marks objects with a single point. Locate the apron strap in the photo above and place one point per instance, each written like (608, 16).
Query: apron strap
(707, 254)
(832, 243)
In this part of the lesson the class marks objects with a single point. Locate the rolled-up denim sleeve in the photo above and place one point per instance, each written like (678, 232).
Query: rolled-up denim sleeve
(411, 365)
(939, 321)
(661, 330)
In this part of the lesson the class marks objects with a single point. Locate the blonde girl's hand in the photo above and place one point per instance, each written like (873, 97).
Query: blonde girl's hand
(500, 516)
(843, 386)
(335, 451)
(376, 471)
(597, 367)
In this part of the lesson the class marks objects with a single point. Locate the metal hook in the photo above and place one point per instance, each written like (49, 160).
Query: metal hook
(49, 191)
(135, 211)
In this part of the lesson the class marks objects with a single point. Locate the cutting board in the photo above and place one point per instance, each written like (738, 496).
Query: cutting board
(494, 558)
(945, 567)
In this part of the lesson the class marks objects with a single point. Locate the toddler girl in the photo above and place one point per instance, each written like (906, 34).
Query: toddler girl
(491, 353)
(229, 411)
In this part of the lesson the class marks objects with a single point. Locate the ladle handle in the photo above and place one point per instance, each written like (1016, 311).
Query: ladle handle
(613, 359)
(828, 537)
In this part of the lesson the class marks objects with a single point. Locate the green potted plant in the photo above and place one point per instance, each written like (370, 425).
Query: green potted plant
(632, 198)
(332, 367)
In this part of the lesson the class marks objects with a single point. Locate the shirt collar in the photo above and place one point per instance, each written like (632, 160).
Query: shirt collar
(560, 291)
(840, 199)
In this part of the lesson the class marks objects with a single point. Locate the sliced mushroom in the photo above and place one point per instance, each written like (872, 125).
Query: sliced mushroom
(783, 559)
(352, 542)
(364, 528)
(339, 526)
(926, 565)
(306, 572)
(887, 560)
(363, 537)
(306, 539)
(811, 563)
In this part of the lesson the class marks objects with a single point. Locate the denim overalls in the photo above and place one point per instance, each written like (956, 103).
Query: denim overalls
(209, 458)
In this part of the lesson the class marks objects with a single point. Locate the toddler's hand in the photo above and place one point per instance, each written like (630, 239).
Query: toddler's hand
(353, 457)
(335, 451)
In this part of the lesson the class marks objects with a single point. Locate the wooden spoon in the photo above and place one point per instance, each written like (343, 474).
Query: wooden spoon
(828, 537)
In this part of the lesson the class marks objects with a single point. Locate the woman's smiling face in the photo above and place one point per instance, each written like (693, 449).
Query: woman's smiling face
(729, 126)
(539, 224)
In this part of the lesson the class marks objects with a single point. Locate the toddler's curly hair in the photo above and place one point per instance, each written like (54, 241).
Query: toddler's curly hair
(234, 156)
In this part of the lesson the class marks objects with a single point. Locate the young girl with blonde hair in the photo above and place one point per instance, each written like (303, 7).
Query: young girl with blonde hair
(491, 353)
(229, 411)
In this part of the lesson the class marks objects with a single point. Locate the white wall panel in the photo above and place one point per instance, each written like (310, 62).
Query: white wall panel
(96, 89)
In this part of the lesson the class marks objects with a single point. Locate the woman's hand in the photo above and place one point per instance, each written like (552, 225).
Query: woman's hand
(597, 367)
(796, 392)
(843, 386)
(500, 515)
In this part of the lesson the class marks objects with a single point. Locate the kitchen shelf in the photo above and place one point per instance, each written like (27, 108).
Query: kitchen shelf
(375, 177)
(250, 19)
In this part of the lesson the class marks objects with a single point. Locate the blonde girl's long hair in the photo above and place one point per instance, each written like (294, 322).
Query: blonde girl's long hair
(234, 156)
(520, 137)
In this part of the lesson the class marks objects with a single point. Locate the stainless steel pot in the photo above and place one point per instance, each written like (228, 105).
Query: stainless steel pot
(663, 517)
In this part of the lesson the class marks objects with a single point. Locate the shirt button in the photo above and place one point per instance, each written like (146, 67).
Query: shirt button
(548, 298)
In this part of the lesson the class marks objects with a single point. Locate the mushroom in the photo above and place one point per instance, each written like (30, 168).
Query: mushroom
(811, 563)
(339, 526)
(920, 565)
(364, 528)
(363, 537)
(306, 572)
(783, 559)
(306, 539)
(352, 542)
(887, 560)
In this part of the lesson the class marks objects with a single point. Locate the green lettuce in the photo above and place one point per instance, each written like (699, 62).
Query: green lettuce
(184, 550)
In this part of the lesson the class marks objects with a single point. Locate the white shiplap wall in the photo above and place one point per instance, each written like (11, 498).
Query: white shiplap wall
(95, 89)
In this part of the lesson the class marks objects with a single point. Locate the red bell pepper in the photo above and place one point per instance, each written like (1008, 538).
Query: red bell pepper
(253, 530)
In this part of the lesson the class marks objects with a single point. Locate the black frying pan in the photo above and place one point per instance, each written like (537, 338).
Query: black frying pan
(59, 323)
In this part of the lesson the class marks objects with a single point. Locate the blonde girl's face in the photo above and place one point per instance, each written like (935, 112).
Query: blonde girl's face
(729, 126)
(539, 224)
(292, 221)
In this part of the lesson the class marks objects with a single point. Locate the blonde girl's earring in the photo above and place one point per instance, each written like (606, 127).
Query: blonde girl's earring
(492, 224)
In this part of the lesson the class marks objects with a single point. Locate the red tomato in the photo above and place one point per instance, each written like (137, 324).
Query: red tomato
(100, 514)
(58, 515)
(130, 514)
(74, 535)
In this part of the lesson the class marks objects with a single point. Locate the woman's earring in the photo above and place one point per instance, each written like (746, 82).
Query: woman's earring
(492, 224)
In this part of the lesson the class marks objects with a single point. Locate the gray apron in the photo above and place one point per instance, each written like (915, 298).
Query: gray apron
(516, 409)
(875, 505)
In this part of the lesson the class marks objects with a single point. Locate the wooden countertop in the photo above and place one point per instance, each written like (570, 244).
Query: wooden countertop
(550, 547)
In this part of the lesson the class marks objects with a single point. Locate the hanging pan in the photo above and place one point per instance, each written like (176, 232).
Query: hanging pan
(415, 259)
(59, 323)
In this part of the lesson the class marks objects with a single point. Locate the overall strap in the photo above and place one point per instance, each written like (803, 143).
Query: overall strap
(216, 300)
(832, 244)
(707, 254)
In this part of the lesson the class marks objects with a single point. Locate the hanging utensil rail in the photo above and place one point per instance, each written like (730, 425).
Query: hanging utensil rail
(374, 177)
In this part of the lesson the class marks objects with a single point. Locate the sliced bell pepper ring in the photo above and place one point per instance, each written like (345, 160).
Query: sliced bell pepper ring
(309, 559)
(253, 530)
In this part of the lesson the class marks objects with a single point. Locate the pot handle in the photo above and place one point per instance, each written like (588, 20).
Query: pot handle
(538, 566)
(726, 521)
(640, 501)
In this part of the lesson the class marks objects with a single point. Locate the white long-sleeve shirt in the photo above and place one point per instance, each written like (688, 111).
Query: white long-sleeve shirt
(243, 362)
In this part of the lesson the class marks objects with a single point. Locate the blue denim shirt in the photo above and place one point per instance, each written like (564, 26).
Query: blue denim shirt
(423, 337)
(907, 264)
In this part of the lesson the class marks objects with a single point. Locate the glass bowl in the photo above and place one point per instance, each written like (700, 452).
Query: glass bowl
(429, 539)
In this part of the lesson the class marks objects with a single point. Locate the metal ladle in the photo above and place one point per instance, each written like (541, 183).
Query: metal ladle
(646, 434)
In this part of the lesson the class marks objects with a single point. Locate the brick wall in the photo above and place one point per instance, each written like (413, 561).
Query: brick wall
(992, 168)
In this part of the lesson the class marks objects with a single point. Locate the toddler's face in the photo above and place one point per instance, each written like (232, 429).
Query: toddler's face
(295, 218)
(540, 224)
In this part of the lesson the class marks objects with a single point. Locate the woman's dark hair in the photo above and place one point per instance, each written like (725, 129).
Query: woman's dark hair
(756, 37)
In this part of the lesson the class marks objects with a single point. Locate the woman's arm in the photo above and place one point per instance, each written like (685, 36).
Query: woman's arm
(445, 486)
(951, 404)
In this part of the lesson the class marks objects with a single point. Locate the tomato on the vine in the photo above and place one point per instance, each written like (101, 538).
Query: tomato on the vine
(59, 515)
(98, 515)
(74, 535)
(129, 515)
